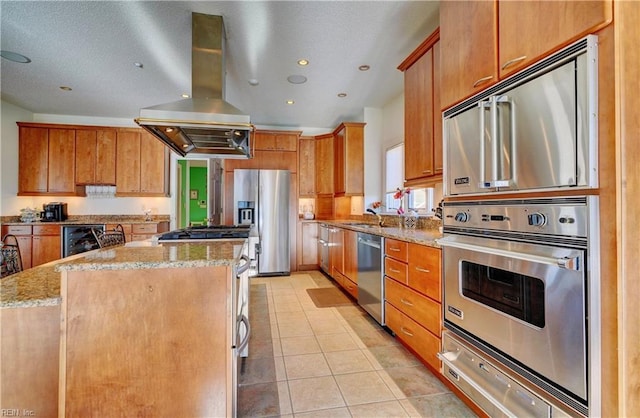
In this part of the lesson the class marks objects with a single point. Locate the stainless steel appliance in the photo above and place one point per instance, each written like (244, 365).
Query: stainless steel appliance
(267, 193)
(371, 275)
(206, 232)
(323, 248)
(205, 123)
(77, 239)
(536, 130)
(54, 212)
(521, 289)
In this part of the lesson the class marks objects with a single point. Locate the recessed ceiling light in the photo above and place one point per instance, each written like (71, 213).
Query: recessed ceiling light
(185, 96)
(290, 102)
(303, 62)
(65, 88)
(364, 68)
(297, 79)
(15, 57)
(253, 82)
(342, 94)
(138, 64)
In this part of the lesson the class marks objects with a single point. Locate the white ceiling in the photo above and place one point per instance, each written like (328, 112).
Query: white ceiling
(91, 46)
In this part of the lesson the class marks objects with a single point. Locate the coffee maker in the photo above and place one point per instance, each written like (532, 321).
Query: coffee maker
(54, 212)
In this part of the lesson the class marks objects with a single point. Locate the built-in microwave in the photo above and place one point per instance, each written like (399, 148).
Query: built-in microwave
(536, 130)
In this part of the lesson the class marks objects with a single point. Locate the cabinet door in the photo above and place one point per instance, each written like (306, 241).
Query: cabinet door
(307, 167)
(324, 165)
(468, 38)
(351, 255)
(153, 166)
(309, 244)
(438, 156)
(287, 142)
(45, 248)
(354, 159)
(33, 160)
(336, 251)
(339, 162)
(86, 156)
(127, 162)
(105, 157)
(418, 118)
(62, 161)
(265, 141)
(530, 29)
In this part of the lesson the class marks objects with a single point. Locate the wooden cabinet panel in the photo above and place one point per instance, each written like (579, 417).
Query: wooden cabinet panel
(395, 269)
(95, 157)
(105, 157)
(307, 167)
(154, 166)
(45, 248)
(351, 255)
(348, 159)
(128, 162)
(438, 156)
(336, 250)
(396, 249)
(33, 160)
(23, 236)
(530, 29)
(308, 244)
(421, 341)
(423, 310)
(276, 140)
(425, 270)
(469, 41)
(62, 148)
(324, 164)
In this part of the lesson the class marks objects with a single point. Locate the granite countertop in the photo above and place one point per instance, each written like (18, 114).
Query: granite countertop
(427, 237)
(89, 219)
(40, 286)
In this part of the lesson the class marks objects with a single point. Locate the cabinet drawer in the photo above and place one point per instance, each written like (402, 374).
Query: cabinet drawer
(17, 230)
(144, 228)
(425, 271)
(395, 269)
(421, 309)
(424, 343)
(125, 227)
(396, 249)
(46, 230)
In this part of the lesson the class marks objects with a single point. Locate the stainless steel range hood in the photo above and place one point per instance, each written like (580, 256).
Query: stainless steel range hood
(204, 124)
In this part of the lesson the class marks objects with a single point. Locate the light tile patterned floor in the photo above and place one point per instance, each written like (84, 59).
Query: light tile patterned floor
(306, 361)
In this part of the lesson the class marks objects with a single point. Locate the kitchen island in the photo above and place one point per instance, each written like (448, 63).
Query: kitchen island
(115, 330)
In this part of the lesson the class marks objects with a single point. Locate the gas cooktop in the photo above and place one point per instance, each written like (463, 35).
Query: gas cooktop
(207, 232)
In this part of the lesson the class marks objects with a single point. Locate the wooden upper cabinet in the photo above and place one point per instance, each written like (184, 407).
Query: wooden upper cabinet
(307, 167)
(474, 56)
(349, 159)
(324, 164)
(530, 29)
(141, 164)
(95, 156)
(277, 140)
(154, 166)
(46, 161)
(33, 160)
(469, 39)
(423, 120)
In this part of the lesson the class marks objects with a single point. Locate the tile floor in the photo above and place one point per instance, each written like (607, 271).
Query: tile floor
(306, 361)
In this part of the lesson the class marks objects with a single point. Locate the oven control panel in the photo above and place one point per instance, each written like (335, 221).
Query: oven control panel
(566, 217)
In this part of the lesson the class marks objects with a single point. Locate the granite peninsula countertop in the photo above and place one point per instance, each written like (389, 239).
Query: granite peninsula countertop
(40, 286)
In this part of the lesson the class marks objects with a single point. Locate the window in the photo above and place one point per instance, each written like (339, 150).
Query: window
(422, 200)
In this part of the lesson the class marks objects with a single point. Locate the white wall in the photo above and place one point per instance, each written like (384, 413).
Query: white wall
(11, 203)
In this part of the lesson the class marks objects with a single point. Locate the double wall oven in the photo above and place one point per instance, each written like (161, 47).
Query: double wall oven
(521, 246)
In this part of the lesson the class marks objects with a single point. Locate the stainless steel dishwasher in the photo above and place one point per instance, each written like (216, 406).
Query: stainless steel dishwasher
(370, 275)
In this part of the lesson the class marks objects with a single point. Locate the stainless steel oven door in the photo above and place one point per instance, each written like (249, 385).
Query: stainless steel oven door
(526, 300)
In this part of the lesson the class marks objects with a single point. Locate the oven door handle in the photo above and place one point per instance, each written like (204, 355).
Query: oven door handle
(570, 262)
(449, 358)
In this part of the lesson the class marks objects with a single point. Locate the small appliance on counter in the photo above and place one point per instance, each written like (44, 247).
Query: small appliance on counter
(54, 212)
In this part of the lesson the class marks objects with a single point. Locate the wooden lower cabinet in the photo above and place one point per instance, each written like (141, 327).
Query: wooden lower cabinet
(46, 244)
(422, 342)
(307, 245)
(140, 231)
(413, 309)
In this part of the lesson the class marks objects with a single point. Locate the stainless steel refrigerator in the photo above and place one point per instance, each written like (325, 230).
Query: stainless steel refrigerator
(261, 198)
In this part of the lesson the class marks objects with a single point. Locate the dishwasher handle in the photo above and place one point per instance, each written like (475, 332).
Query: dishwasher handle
(368, 242)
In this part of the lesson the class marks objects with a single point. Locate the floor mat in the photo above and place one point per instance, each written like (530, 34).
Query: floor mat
(328, 297)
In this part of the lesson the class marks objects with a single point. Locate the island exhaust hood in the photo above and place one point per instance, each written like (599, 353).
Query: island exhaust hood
(204, 124)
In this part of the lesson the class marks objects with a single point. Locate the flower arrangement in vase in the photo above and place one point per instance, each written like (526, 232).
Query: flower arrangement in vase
(399, 194)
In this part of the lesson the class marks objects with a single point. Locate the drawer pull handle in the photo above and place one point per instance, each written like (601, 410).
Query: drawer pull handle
(406, 332)
(394, 270)
(394, 249)
(482, 80)
(423, 270)
(406, 302)
(513, 61)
